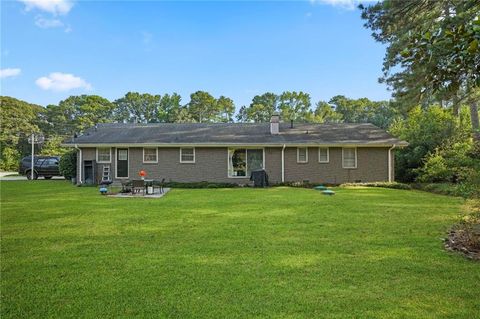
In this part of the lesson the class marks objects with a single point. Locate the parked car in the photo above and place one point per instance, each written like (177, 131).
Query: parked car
(46, 166)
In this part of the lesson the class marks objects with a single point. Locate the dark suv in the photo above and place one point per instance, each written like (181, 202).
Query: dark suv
(46, 166)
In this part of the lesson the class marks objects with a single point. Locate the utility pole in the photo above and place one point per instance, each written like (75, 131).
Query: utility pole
(34, 140)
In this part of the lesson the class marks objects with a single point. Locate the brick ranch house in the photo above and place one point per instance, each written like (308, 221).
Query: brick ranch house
(228, 152)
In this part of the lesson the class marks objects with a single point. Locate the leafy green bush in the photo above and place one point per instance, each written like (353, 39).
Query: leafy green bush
(393, 185)
(466, 190)
(426, 130)
(10, 159)
(435, 169)
(172, 184)
(53, 147)
(455, 167)
(68, 165)
(296, 184)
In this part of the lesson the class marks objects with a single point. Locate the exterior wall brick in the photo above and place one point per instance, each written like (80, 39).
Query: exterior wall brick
(90, 154)
(273, 164)
(211, 164)
(372, 166)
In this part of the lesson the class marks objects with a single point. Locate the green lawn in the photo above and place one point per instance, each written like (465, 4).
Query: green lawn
(231, 253)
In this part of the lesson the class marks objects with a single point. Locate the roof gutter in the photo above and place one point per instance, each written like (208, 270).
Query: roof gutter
(79, 178)
(390, 173)
(352, 144)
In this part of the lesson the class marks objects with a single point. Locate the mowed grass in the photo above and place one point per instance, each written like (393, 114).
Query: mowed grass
(231, 253)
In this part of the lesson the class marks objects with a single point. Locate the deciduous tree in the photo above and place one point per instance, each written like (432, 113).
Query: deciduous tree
(203, 107)
(433, 49)
(135, 107)
(77, 113)
(295, 106)
(260, 110)
(18, 120)
(325, 113)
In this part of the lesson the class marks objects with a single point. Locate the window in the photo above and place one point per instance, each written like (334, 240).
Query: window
(302, 155)
(106, 173)
(323, 155)
(104, 154)
(123, 155)
(349, 157)
(241, 162)
(50, 162)
(187, 155)
(254, 160)
(150, 155)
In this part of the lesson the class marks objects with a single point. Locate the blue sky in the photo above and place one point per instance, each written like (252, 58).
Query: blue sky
(56, 48)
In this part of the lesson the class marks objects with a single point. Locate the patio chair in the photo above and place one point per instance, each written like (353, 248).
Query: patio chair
(126, 186)
(137, 186)
(161, 185)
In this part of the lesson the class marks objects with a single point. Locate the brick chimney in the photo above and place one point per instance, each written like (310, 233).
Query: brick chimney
(275, 124)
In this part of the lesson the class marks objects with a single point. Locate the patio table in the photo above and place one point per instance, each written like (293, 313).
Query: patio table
(149, 188)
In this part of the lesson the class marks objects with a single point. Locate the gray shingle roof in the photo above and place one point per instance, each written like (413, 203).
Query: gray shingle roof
(236, 133)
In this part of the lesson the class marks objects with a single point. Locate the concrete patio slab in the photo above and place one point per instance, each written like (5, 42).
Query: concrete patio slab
(157, 194)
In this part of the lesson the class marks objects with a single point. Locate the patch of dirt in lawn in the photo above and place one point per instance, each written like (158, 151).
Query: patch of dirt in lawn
(458, 240)
(464, 237)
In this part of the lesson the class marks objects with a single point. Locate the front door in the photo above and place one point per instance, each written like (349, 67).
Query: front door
(122, 162)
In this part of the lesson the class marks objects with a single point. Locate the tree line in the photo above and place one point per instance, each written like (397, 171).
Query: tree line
(78, 113)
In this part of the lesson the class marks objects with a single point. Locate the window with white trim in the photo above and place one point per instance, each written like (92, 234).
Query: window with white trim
(106, 173)
(104, 155)
(302, 155)
(150, 155)
(187, 155)
(323, 155)
(349, 157)
(241, 162)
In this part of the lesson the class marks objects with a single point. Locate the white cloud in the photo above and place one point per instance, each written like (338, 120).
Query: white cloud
(51, 8)
(346, 4)
(8, 73)
(58, 81)
(47, 23)
(54, 7)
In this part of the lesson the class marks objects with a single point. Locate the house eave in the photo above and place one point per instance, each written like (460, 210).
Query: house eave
(164, 145)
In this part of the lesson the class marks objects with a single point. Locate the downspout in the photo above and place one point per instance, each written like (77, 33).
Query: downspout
(79, 178)
(283, 163)
(390, 177)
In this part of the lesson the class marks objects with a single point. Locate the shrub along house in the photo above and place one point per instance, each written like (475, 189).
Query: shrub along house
(229, 152)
